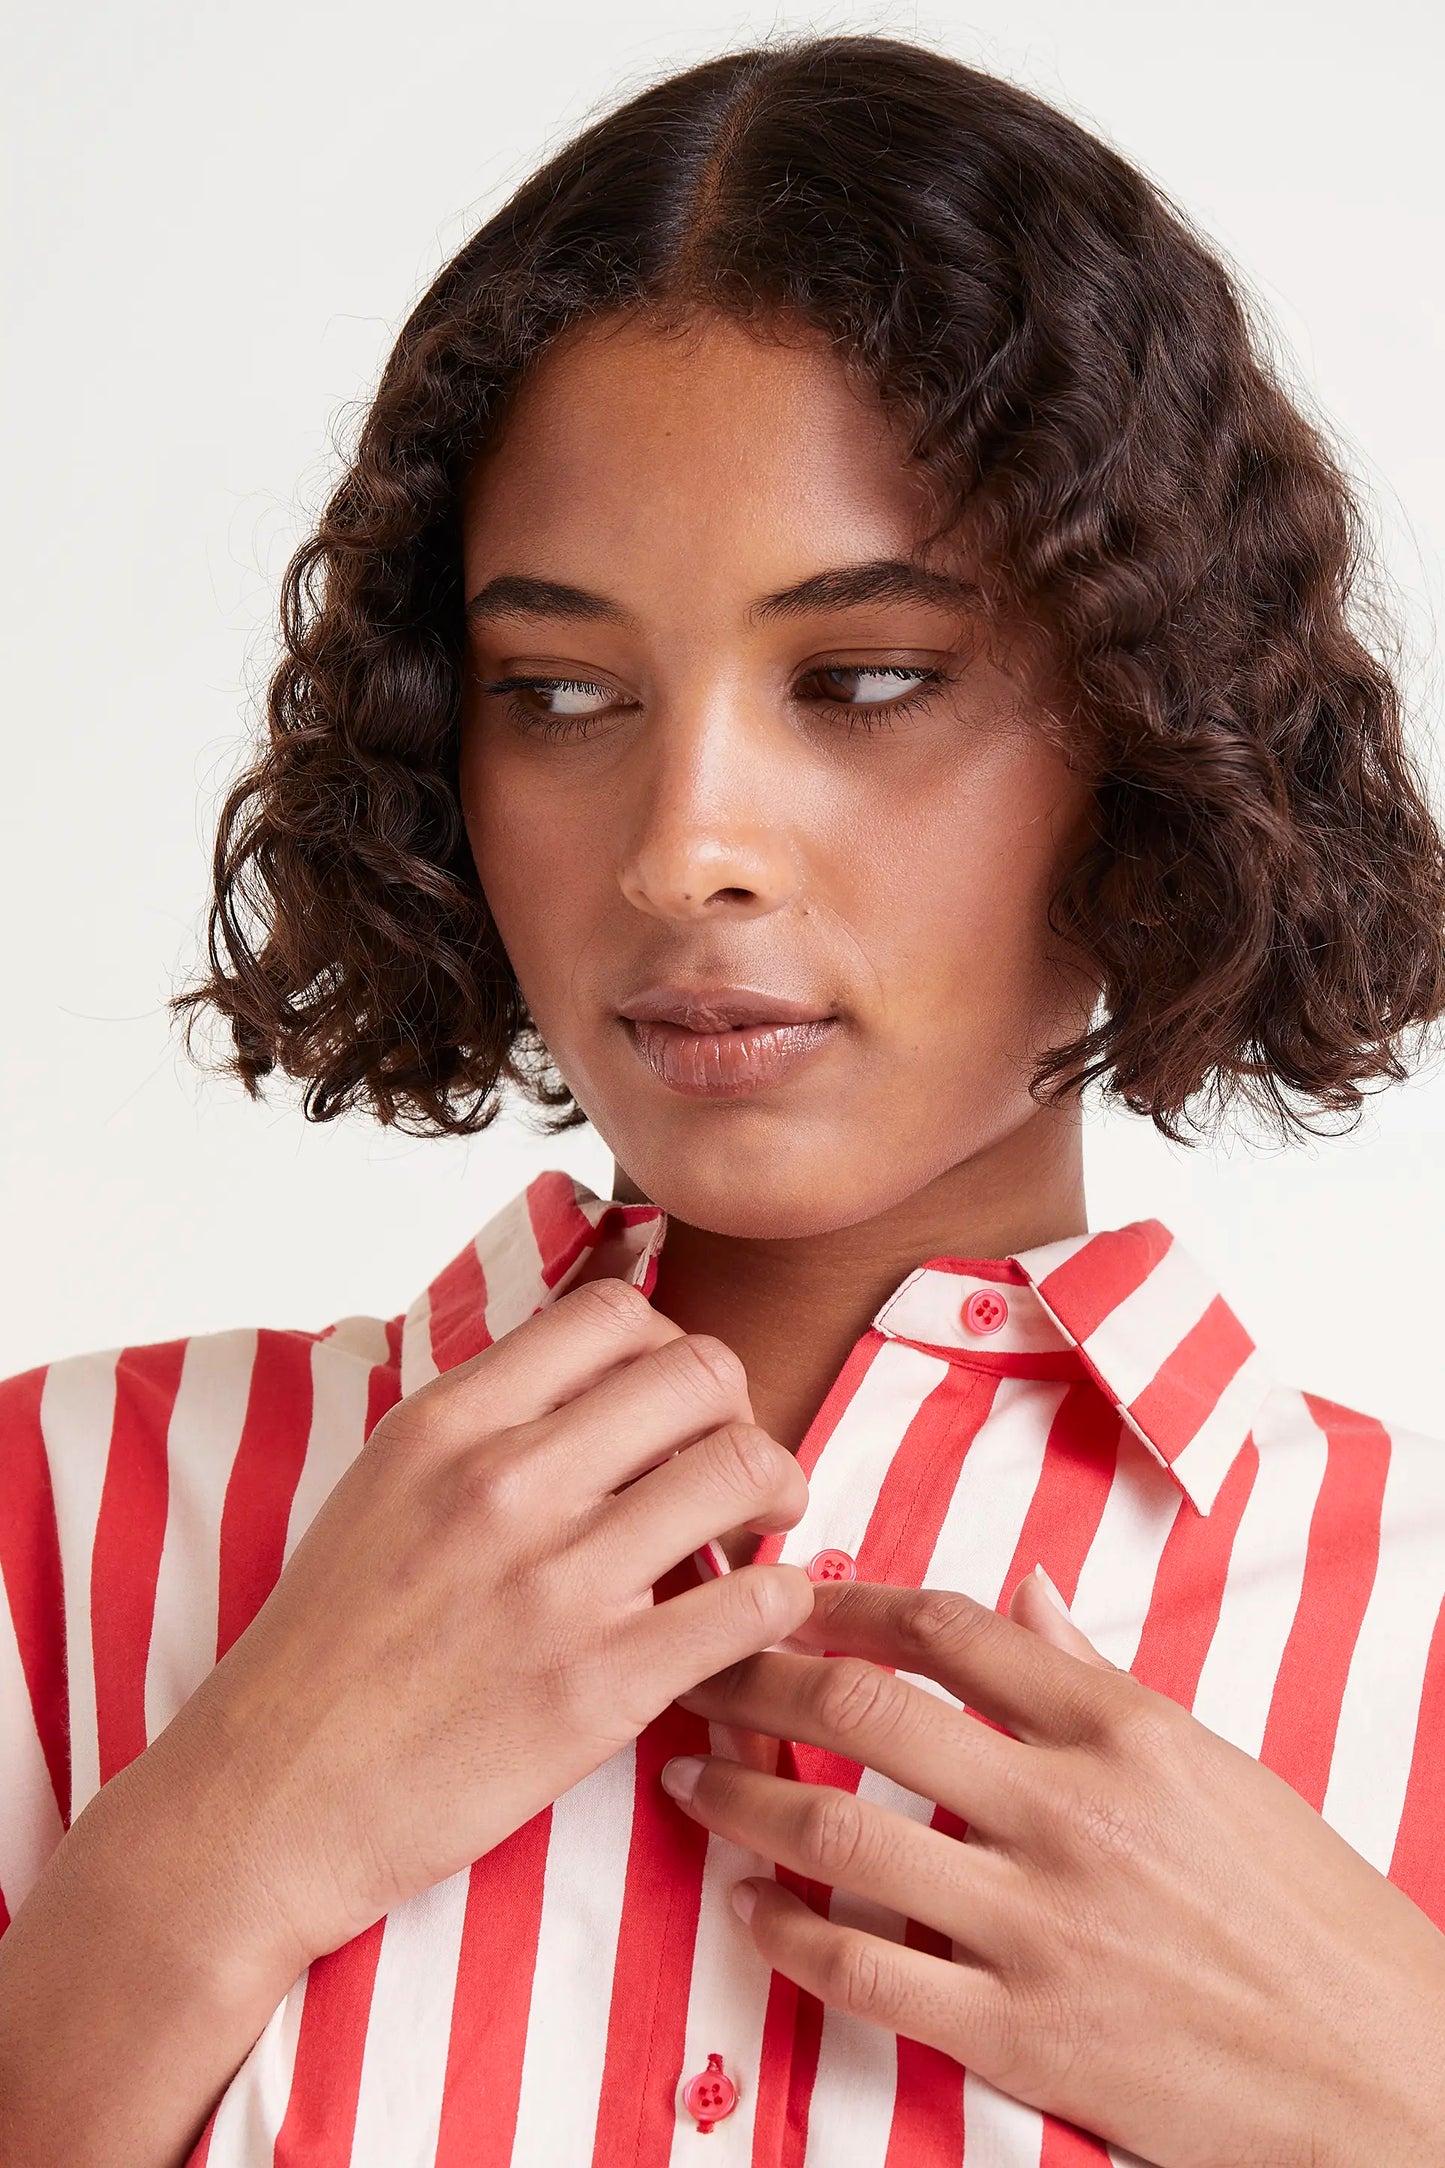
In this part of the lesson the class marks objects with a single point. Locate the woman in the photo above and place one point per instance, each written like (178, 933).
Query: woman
(831, 642)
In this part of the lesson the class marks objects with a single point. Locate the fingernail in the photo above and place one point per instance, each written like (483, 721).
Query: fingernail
(745, 1897)
(1053, 1595)
(680, 1775)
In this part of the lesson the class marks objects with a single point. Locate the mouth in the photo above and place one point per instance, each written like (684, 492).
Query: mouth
(724, 1042)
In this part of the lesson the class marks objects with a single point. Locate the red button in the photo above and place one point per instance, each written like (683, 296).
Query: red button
(832, 1566)
(710, 2095)
(985, 1310)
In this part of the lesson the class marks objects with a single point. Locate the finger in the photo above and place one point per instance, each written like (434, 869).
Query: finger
(989, 1662)
(1037, 1604)
(639, 1415)
(870, 1715)
(833, 1836)
(736, 1477)
(671, 1645)
(549, 1359)
(957, 2008)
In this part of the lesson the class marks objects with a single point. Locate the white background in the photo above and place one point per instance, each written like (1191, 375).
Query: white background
(219, 217)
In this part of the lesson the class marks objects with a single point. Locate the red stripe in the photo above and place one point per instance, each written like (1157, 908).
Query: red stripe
(1418, 1865)
(559, 1224)
(1340, 1564)
(1186, 1390)
(130, 1530)
(920, 1480)
(661, 1902)
(320, 2120)
(492, 2005)
(1081, 1457)
(1088, 1286)
(30, 1568)
(1189, 1587)
(458, 1313)
(263, 1480)
(1066, 2146)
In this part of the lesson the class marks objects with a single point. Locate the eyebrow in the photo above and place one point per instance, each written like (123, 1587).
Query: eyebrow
(879, 579)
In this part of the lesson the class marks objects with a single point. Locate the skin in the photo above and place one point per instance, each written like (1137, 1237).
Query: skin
(1166, 1943)
(493, 1551)
(703, 818)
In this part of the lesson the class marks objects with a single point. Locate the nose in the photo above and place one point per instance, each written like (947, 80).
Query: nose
(713, 831)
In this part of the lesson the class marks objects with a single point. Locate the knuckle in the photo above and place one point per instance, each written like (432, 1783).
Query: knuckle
(859, 1700)
(857, 1978)
(747, 1457)
(756, 1600)
(834, 1834)
(610, 1302)
(1140, 1723)
(705, 1367)
(939, 1622)
(490, 1482)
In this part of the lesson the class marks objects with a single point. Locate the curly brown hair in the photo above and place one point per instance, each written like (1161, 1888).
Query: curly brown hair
(1266, 893)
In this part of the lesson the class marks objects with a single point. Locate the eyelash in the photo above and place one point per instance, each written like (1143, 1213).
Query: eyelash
(866, 715)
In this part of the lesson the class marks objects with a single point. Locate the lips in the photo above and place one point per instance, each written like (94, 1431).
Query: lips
(723, 1042)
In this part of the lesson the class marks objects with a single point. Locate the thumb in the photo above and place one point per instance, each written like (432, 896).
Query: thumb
(1037, 1604)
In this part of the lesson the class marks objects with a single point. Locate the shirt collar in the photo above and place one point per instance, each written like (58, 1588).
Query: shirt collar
(1155, 1336)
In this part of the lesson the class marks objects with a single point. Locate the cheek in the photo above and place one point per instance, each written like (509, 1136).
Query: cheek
(958, 893)
(521, 840)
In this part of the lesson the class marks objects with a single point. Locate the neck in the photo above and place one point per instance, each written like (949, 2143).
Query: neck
(792, 1307)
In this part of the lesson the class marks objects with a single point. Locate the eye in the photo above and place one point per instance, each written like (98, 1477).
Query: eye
(552, 707)
(871, 684)
(873, 692)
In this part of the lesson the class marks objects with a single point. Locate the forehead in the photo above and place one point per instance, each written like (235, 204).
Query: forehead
(631, 437)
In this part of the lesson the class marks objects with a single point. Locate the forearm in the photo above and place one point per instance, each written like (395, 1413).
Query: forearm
(130, 1991)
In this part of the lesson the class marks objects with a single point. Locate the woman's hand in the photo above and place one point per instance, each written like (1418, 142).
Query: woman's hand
(1155, 1937)
(466, 1629)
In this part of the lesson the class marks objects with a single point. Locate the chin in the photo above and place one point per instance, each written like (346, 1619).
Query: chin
(769, 1189)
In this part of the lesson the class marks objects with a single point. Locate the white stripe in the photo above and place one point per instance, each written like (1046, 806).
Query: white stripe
(340, 1396)
(995, 1488)
(1116, 1581)
(1266, 1574)
(843, 1488)
(582, 1892)
(1381, 1707)
(513, 1265)
(1134, 1341)
(930, 1306)
(364, 1337)
(30, 1824)
(408, 2029)
(851, 2115)
(77, 1413)
(417, 1366)
(728, 1998)
(1207, 1459)
(253, 2107)
(998, 2131)
(205, 1430)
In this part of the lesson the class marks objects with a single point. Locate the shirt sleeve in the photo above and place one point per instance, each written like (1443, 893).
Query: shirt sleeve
(34, 1726)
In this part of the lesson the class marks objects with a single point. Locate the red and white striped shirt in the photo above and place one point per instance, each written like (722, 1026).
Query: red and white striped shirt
(1270, 1560)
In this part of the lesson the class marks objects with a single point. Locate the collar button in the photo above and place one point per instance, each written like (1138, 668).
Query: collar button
(986, 1310)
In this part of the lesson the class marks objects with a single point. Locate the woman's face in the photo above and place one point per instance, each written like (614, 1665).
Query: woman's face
(764, 770)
